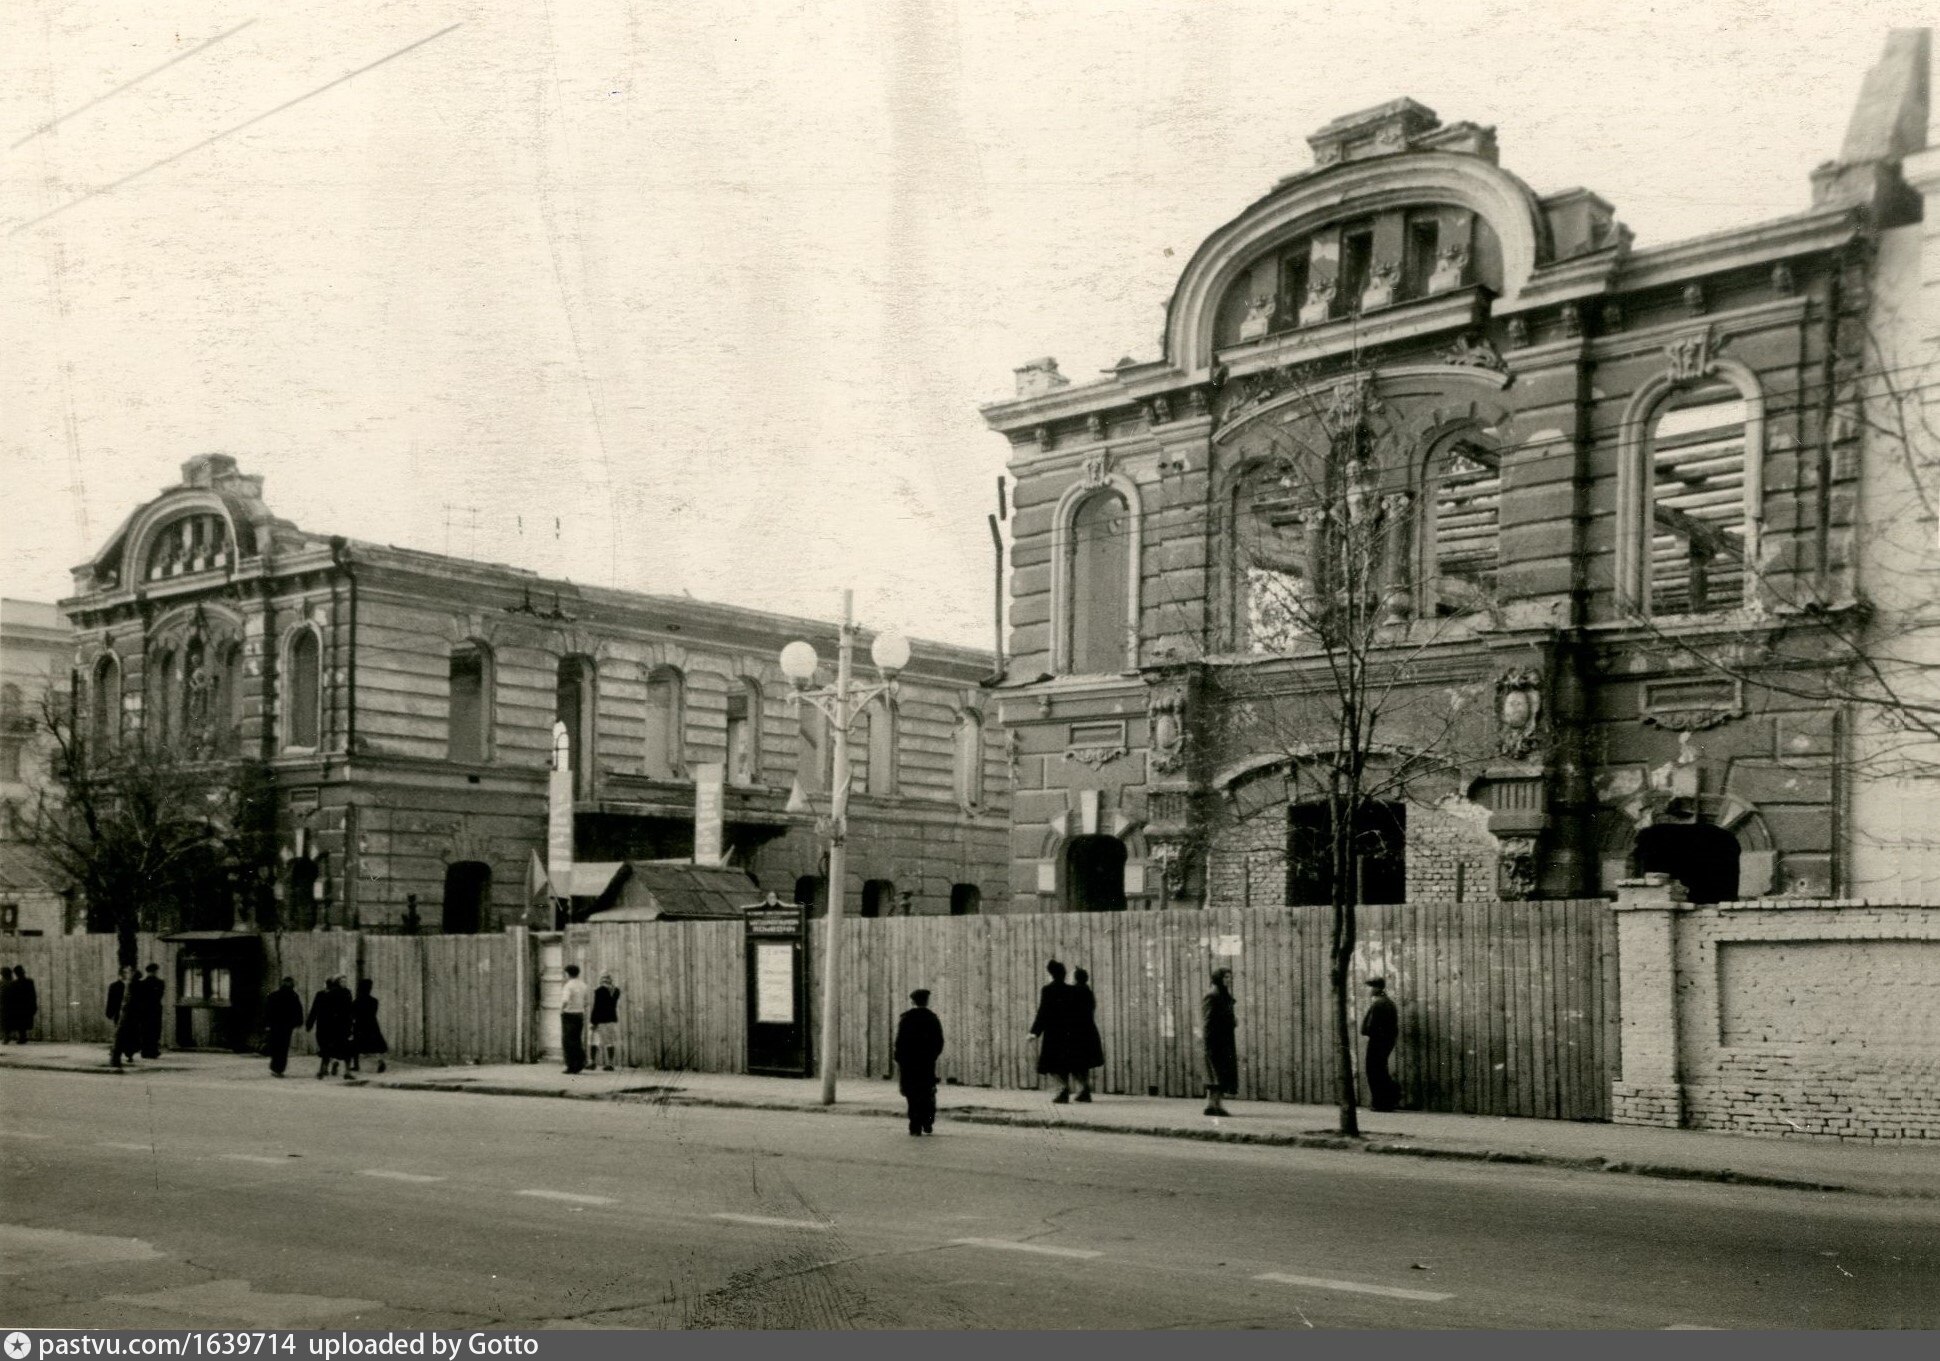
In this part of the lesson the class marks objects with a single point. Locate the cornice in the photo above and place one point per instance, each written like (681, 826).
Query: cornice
(1761, 243)
(1775, 314)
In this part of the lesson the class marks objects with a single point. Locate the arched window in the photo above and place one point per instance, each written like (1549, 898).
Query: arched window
(104, 719)
(1699, 855)
(664, 757)
(969, 758)
(1696, 451)
(1097, 623)
(574, 706)
(966, 900)
(469, 733)
(303, 690)
(164, 695)
(225, 703)
(468, 897)
(812, 751)
(1460, 530)
(812, 892)
(884, 724)
(744, 733)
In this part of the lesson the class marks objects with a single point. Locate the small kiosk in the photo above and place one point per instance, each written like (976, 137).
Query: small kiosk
(218, 988)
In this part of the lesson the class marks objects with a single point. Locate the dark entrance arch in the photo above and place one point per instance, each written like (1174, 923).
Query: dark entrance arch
(1094, 874)
(1699, 855)
(468, 887)
(878, 898)
(812, 892)
(300, 907)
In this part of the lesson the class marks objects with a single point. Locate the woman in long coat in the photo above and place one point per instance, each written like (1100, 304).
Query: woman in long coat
(1219, 1020)
(366, 1036)
(1056, 1028)
(1091, 1045)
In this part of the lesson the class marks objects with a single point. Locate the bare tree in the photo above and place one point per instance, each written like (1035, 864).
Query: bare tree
(154, 835)
(1356, 557)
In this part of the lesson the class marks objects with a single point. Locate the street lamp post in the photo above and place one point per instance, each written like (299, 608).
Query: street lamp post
(839, 704)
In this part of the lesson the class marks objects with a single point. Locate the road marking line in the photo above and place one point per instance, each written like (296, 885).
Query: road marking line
(570, 1197)
(254, 1158)
(22, 1134)
(116, 1143)
(1006, 1245)
(1692, 1328)
(1394, 1292)
(765, 1222)
(389, 1175)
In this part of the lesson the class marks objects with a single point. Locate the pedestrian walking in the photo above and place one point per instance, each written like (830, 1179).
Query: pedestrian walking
(1090, 1049)
(26, 1004)
(149, 992)
(330, 1019)
(606, 1023)
(1057, 1031)
(572, 1020)
(919, 1044)
(366, 1035)
(9, 1000)
(283, 1014)
(1382, 1027)
(126, 1038)
(1218, 1021)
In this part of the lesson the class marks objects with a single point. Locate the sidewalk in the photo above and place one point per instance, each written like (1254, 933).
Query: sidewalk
(1905, 1170)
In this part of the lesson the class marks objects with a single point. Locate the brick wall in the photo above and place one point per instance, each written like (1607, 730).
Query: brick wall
(1780, 1017)
(1451, 856)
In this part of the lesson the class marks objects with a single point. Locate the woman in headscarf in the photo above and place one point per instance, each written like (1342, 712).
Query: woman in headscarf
(366, 1036)
(1056, 1028)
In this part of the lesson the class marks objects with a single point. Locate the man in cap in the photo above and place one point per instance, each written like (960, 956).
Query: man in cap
(919, 1044)
(1382, 1026)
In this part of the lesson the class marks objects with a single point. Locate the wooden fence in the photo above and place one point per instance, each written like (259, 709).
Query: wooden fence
(1506, 1008)
(450, 998)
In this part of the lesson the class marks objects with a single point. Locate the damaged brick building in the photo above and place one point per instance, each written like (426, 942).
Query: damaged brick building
(1595, 466)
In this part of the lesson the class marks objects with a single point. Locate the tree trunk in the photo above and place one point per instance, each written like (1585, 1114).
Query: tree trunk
(1338, 972)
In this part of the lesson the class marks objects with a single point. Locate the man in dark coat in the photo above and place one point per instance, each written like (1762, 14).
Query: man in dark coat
(366, 1035)
(1057, 1029)
(1091, 1045)
(283, 1015)
(919, 1044)
(149, 991)
(1218, 1021)
(122, 1012)
(26, 1003)
(1382, 1026)
(330, 1018)
(9, 1002)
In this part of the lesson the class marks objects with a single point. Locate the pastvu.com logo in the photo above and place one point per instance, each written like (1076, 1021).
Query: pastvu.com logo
(18, 1345)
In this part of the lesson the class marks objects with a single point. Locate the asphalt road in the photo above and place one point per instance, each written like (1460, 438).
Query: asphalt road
(181, 1201)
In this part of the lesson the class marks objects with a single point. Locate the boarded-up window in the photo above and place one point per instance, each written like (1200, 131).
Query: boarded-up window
(1100, 558)
(1463, 529)
(1696, 559)
(969, 758)
(1271, 561)
(666, 703)
(471, 704)
(1376, 855)
(303, 691)
(883, 726)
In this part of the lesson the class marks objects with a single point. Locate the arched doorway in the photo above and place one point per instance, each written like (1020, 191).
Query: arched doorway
(1699, 855)
(468, 887)
(300, 907)
(812, 892)
(966, 900)
(1094, 874)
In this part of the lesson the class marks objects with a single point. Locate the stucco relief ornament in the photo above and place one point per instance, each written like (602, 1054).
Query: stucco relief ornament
(1097, 467)
(1171, 860)
(1475, 352)
(1320, 293)
(1095, 426)
(1572, 318)
(1160, 410)
(1695, 354)
(1043, 436)
(1168, 731)
(1013, 749)
(1518, 333)
(1095, 757)
(1518, 712)
(1328, 153)
(1516, 867)
(1351, 402)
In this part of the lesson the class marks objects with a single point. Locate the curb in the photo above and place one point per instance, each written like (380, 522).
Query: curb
(1331, 1142)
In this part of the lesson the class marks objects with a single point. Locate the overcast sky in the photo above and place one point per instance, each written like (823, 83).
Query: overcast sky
(704, 296)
